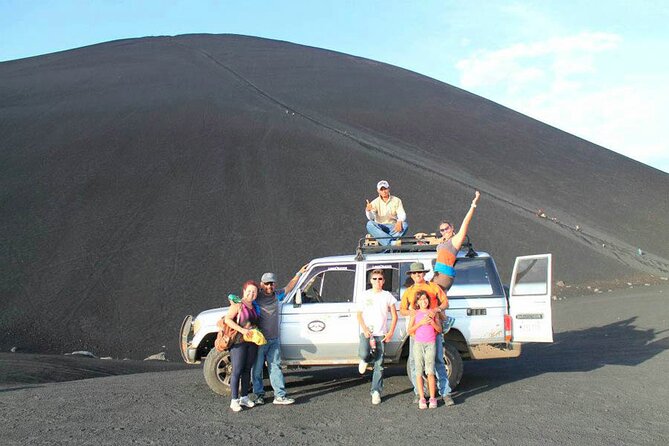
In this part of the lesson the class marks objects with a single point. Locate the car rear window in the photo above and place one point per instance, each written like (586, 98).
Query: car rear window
(475, 277)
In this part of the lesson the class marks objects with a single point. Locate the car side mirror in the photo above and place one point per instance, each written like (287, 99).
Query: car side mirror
(298, 298)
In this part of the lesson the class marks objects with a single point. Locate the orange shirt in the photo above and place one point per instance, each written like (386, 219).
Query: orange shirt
(434, 292)
(446, 253)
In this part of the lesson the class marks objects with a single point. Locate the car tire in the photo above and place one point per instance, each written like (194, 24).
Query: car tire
(454, 364)
(217, 371)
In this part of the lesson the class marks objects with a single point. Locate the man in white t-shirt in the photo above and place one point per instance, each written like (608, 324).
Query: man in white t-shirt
(373, 311)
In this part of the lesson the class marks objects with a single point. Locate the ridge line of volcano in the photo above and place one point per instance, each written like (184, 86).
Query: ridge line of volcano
(618, 244)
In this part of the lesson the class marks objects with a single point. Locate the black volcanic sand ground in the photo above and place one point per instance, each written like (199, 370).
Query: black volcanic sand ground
(602, 382)
(142, 180)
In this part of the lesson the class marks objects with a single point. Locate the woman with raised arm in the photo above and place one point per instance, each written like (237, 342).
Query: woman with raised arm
(450, 244)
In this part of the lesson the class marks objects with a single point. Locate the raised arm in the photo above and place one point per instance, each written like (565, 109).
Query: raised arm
(460, 236)
(295, 278)
(369, 211)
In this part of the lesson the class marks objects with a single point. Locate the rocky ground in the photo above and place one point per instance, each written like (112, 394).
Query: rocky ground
(602, 381)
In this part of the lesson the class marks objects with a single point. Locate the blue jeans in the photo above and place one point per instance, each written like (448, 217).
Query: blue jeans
(377, 359)
(272, 353)
(440, 371)
(380, 230)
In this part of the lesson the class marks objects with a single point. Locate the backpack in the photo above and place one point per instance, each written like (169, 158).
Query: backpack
(227, 336)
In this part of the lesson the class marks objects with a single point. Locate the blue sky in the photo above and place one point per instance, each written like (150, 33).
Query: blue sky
(597, 69)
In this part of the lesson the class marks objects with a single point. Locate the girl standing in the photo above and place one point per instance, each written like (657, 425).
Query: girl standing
(424, 325)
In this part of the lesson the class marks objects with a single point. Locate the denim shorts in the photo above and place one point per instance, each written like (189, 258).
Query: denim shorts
(423, 355)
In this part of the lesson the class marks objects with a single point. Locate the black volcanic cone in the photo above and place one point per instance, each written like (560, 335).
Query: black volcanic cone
(144, 179)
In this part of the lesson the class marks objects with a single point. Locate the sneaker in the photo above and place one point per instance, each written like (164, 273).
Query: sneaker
(362, 366)
(447, 324)
(283, 400)
(422, 404)
(448, 400)
(376, 397)
(234, 405)
(433, 403)
(259, 400)
(245, 401)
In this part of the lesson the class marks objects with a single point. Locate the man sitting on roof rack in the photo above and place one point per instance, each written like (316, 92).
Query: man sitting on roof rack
(387, 219)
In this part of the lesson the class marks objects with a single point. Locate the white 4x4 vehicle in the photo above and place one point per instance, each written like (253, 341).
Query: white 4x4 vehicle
(319, 324)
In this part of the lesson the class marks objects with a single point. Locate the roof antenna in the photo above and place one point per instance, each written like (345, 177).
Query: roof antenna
(470, 249)
(358, 252)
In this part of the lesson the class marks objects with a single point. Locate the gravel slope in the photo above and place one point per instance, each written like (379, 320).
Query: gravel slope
(145, 179)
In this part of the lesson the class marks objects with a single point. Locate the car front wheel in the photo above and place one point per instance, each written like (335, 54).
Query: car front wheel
(217, 371)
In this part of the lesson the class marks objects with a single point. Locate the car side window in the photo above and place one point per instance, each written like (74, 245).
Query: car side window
(396, 281)
(390, 274)
(329, 284)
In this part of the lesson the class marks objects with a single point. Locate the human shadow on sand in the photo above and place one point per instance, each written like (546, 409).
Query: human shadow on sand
(618, 343)
(318, 381)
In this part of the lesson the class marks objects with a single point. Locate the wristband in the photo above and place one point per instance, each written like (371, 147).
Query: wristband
(473, 205)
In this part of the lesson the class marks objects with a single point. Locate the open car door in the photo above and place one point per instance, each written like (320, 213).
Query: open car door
(530, 299)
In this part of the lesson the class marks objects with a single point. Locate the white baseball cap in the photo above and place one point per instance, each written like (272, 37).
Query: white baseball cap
(382, 183)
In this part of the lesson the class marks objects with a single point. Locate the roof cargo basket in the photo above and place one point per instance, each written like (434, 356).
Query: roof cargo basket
(419, 242)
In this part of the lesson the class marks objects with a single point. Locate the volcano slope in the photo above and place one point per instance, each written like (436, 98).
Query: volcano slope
(144, 179)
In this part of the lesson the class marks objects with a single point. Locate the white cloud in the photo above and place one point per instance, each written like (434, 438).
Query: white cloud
(518, 64)
(626, 119)
(556, 81)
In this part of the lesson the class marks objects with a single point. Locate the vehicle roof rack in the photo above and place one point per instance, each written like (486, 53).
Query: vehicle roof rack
(418, 242)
